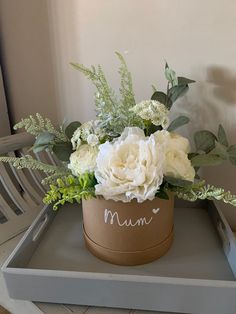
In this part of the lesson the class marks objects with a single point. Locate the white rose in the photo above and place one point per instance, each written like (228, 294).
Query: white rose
(130, 167)
(83, 159)
(177, 164)
(179, 142)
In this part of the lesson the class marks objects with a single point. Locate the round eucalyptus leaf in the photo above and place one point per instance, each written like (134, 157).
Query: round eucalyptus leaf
(206, 160)
(62, 150)
(204, 140)
(71, 128)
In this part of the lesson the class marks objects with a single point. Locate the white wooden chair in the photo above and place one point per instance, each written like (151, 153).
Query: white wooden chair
(21, 191)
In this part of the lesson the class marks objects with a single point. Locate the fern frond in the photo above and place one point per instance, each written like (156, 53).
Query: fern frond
(36, 125)
(205, 192)
(31, 163)
(51, 179)
(113, 114)
(126, 84)
(71, 189)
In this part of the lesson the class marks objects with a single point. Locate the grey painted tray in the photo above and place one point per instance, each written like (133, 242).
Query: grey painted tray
(51, 264)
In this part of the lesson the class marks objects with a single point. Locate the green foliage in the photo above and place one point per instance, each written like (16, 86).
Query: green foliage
(177, 182)
(162, 98)
(232, 154)
(204, 141)
(71, 128)
(37, 125)
(114, 114)
(162, 194)
(212, 150)
(126, 84)
(178, 122)
(171, 76)
(71, 189)
(184, 81)
(177, 91)
(179, 86)
(48, 137)
(30, 163)
(220, 150)
(202, 191)
(206, 160)
(62, 150)
(43, 141)
(222, 138)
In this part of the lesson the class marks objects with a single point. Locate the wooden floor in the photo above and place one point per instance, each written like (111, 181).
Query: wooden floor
(26, 307)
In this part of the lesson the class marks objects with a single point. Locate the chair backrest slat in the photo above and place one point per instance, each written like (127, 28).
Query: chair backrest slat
(21, 191)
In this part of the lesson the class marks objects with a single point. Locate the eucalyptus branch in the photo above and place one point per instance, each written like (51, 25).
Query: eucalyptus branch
(202, 191)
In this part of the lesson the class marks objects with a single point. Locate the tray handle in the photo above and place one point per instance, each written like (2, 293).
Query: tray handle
(40, 227)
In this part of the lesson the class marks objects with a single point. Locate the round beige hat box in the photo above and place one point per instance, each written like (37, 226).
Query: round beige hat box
(128, 233)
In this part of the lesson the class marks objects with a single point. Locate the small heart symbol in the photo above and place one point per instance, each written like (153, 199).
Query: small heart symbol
(155, 210)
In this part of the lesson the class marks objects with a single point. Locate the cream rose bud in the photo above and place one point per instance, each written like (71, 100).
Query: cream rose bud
(179, 142)
(130, 167)
(177, 165)
(83, 159)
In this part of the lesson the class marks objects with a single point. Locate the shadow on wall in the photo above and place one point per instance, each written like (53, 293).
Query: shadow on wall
(210, 102)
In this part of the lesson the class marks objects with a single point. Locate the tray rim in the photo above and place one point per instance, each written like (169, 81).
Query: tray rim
(109, 276)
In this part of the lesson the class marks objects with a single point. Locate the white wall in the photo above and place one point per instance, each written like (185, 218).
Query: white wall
(196, 37)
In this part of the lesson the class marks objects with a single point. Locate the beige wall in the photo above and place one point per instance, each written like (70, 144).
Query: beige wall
(196, 37)
(26, 57)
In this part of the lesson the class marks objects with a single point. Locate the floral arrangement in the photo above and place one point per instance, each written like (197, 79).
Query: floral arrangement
(131, 151)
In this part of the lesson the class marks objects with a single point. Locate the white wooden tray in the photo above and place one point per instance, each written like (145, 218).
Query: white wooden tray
(51, 264)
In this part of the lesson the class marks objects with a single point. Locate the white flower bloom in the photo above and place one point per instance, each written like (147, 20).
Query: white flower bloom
(179, 142)
(93, 140)
(75, 140)
(177, 164)
(91, 127)
(86, 129)
(154, 111)
(83, 159)
(130, 167)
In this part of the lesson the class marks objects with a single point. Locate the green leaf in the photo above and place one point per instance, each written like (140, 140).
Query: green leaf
(206, 160)
(204, 141)
(152, 128)
(222, 136)
(232, 154)
(191, 155)
(162, 98)
(178, 182)
(44, 140)
(178, 122)
(162, 194)
(154, 89)
(220, 150)
(177, 91)
(62, 150)
(71, 128)
(40, 148)
(184, 81)
(171, 76)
